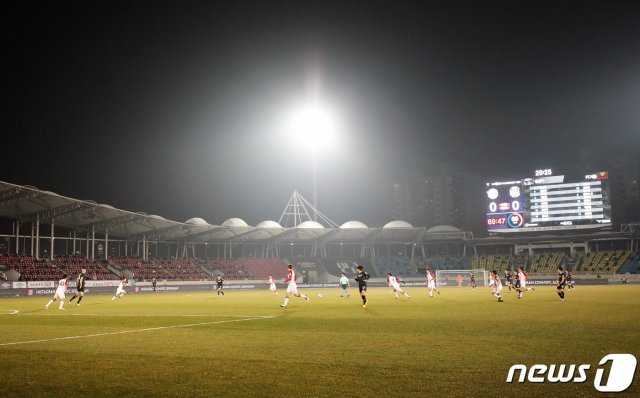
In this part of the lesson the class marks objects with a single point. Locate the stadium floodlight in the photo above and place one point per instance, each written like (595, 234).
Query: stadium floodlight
(313, 126)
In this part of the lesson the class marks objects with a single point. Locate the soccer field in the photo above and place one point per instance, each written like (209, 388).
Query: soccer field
(458, 344)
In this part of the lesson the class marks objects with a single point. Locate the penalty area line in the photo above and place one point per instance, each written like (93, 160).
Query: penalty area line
(132, 331)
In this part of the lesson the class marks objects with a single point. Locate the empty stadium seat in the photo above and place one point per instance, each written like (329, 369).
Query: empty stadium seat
(396, 265)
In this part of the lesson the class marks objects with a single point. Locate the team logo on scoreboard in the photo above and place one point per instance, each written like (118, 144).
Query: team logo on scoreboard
(602, 175)
(515, 220)
(492, 193)
(514, 191)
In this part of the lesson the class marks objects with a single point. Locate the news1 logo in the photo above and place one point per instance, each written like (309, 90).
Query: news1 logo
(621, 372)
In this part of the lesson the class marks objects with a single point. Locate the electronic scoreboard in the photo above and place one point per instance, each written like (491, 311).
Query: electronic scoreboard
(549, 202)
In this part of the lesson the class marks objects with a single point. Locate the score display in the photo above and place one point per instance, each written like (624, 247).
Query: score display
(549, 202)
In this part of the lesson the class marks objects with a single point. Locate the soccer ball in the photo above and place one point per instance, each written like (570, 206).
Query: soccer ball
(319, 295)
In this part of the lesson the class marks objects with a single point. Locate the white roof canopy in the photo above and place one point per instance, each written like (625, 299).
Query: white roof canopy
(27, 204)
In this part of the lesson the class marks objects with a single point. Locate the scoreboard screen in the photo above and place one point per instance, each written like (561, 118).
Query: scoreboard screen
(549, 202)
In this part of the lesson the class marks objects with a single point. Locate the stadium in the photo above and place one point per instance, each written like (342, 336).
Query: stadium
(309, 198)
(65, 235)
(112, 243)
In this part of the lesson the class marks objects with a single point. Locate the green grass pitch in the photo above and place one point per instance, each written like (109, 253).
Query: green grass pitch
(458, 344)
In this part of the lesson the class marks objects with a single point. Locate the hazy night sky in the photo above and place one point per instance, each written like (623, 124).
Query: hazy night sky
(178, 110)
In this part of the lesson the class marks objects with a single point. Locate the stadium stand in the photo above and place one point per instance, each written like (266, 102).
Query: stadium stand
(546, 263)
(444, 262)
(604, 262)
(396, 265)
(336, 266)
(72, 265)
(145, 271)
(491, 262)
(31, 269)
(232, 269)
(161, 269)
(181, 270)
(261, 268)
(632, 265)
(542, 263)
(572, 261)
(520, 260)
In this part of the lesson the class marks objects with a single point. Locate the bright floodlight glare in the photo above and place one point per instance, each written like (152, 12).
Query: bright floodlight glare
(314, 126)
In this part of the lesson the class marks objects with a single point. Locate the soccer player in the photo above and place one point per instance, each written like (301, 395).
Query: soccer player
(79, 287)
(473, 280)
(569, 280)
(153, 284)
(120, 292)
(59, 295)
(220, 282)
(394, 283)
(496, 285)
(344, 284)
(562, 281)
(272, 285)
(507, 279)
(292, 287)
(362, 278)
(522, 279)
(431, 282)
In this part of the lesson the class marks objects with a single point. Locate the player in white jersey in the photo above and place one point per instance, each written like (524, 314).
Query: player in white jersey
(394, 283)
(431, 282)
(120, 292)
(292, 287)
(496, 285)
(59, 294)
(522, 279)
(272, 285)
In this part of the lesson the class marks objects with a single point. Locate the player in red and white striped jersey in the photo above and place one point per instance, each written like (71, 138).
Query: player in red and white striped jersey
(120, 292)
(292, 287)
(272, 285)
(431, 282)
(394, 283)
(496, 285)
(522, 279)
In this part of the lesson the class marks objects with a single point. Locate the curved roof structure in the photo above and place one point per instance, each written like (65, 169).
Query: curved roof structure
(235, 222)
(443, 228)
(196, 221)
(398, 224)
(27, 205)
(353, 225)
(310, 225)
(268, 224)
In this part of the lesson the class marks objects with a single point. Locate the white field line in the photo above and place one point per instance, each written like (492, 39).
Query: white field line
(131, 331)
(9, 312)
(142, 315)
